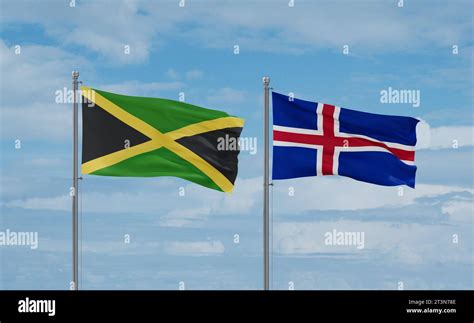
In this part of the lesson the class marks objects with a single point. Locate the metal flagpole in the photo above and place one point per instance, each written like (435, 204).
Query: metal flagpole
(75, 235)
(266, 213)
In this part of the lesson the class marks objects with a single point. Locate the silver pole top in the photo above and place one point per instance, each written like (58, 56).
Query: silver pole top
(75, 75)
(266, 80)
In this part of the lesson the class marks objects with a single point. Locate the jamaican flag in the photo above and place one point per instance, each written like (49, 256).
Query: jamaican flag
(145, 137)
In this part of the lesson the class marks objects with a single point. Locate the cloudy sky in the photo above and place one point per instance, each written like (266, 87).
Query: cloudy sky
(216, 52)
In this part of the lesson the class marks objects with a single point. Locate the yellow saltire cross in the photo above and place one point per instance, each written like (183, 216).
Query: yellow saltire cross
(159, 139)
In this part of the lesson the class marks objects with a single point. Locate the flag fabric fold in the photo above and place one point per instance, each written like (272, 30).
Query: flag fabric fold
(146, 137)
(316, 139)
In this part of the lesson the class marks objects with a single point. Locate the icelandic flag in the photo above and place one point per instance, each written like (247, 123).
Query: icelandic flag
(317, 139)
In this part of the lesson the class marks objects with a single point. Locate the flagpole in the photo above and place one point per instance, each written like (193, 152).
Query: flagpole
(75, 235)
(266, 213)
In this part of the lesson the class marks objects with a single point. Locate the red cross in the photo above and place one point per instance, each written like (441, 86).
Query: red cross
(330, 141)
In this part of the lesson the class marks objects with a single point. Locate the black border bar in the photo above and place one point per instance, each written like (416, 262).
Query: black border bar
(229, 305)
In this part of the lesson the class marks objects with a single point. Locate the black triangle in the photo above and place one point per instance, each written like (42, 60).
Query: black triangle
(206, 145)
(102, 133)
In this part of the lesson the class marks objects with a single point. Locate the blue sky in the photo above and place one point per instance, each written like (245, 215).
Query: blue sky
(190, 49)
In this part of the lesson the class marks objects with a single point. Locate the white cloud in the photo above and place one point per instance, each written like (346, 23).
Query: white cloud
(194, 75)
(417, 245)
(55, 203)
(171, 73)
(116, 247)
(99, 26)
(30, 82)
(319, 194)
(49, 121)
(184, 217)
(197, 205)
(122, 35)
(93, 202)
(242, 200)
(191, 75)
(35, 74)
(141, 88)
(28, 93)
(265, 26)
(45, 162)
(195, 248)
(227, 95)
(279, 28)
(459, 210)
(446, 137)
(177, 223)
(423, 135)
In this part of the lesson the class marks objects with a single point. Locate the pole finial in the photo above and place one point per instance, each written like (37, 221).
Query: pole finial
(75, 75)
(266, 80)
